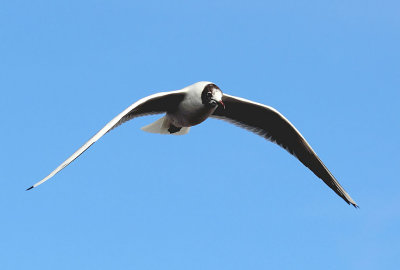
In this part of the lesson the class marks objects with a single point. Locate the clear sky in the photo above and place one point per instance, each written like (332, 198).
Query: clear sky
(219, 197)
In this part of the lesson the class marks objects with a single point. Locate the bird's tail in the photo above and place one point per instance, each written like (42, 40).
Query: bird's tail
(162, 125)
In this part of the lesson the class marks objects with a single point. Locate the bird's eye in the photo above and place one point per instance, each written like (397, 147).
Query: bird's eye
(209, 94)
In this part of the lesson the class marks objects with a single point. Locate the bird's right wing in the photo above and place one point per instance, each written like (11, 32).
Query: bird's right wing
(273, 126)
(154, 104)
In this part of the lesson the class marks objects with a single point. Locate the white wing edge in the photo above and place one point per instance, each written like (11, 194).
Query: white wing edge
(99, 134)
(277, 112)
(283, 117)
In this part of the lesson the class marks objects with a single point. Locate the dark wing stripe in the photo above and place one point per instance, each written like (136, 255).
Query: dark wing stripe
(157, 103)
(273, 126)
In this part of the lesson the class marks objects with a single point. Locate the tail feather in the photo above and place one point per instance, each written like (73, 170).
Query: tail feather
(161, 126)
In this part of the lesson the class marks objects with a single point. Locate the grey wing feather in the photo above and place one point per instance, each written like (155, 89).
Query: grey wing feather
(157, 103)
(273, 126)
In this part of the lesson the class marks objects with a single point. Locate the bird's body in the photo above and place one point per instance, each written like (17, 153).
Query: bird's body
(193, 104)
(191, 111)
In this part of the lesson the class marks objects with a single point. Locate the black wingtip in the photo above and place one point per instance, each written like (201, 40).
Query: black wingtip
(355, 205)
(30, 188)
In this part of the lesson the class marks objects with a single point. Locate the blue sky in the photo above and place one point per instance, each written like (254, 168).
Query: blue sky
(220, 197)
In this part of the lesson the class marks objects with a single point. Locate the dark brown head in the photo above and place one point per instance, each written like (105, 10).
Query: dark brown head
(212, 96)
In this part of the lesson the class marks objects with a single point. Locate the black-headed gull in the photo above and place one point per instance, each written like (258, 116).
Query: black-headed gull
(195, 103)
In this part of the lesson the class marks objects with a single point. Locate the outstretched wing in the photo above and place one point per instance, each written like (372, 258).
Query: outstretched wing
(273, 126)
(154, 104)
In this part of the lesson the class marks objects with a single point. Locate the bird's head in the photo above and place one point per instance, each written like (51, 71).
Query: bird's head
(212, 96)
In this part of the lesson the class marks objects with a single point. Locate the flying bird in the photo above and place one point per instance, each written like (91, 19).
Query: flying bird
(195, 103)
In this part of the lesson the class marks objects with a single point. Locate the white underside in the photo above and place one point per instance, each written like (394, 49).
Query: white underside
(162, 125)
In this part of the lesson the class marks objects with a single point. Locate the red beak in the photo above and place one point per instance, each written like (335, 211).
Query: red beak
(222, 103)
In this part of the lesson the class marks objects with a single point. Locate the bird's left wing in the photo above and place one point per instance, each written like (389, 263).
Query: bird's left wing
(154, 104)
(270, 124)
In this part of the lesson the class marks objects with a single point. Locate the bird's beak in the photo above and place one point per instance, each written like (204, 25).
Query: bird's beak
(221, 103)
